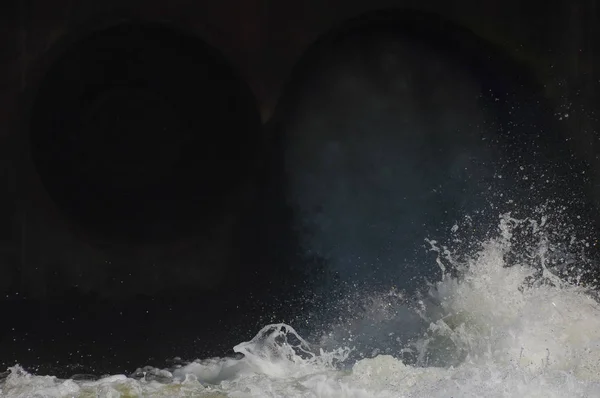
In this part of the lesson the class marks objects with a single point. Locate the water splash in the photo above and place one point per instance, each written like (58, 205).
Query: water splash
(504, 321)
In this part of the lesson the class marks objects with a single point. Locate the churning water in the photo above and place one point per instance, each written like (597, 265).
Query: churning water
(509, 318)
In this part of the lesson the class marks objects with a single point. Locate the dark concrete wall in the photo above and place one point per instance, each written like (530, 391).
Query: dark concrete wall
(263, 40)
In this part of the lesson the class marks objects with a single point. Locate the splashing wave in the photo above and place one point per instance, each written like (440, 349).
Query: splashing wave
(512, 319)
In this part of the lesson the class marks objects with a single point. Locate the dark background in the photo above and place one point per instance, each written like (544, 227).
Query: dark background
(144, 206)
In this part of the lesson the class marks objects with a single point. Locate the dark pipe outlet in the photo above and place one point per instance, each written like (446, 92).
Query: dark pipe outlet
(142, 134)
(134, 243)
(395, 126)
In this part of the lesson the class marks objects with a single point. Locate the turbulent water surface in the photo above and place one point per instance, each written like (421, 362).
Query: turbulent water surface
(511, 320)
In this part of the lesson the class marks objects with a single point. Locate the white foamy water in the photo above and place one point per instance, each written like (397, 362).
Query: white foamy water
(501, 331)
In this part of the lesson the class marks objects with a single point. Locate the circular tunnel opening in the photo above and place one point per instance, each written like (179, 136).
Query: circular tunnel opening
(142, 133)
(393, 126)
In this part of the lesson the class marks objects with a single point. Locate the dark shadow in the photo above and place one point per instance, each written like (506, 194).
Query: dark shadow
(142, 133)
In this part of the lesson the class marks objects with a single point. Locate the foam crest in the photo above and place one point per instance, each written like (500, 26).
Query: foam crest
(495, 314)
